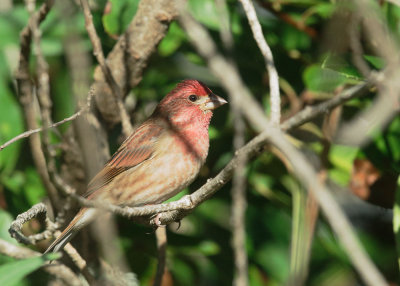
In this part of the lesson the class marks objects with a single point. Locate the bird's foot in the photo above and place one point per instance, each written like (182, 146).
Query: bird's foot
(157, 220)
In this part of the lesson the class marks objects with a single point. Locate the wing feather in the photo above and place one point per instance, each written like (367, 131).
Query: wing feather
(137, 148)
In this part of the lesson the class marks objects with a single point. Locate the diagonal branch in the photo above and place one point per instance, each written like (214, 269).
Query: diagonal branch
(130, 55)
(98, 52)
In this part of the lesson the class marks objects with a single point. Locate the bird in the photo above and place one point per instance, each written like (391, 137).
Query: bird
(159, 159)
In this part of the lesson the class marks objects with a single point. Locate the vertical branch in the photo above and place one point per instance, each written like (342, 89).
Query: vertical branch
(43, 95)
(98, 52)
(91, 150)
(238, 191)
(225, 31)
(108, 239)
(161, 236)
(239, 204)
(25, 93)
(269, 60)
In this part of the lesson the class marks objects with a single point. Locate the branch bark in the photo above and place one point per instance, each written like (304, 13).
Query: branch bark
(27, 99)
(131, 53)
(269, 60)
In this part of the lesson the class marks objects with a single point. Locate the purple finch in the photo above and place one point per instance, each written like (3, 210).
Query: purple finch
(157, 160)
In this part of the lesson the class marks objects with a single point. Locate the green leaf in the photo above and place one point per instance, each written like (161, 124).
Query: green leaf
(33, 188)
(209, 247)
(275, 261)
(293, 39)
(119, 15)
(51, 46)
(256, 276)
(376, 62)
(325, 10)
(205, 12)
(172, 41)
(183, 272)
(12, 273)
(342, 158)
(5, 222)
(8, 33)
(10, 126)
(215, 210)
(322, 79)
(213, 133)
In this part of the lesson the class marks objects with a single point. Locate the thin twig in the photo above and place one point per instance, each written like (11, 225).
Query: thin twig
(275, 98)
(98, 52)
(386, 105)
(16, 225)
(37, 130)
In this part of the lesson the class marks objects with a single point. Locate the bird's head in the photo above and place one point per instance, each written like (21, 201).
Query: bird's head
(191, 102)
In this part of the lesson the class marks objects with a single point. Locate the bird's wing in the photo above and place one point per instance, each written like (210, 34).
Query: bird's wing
(137, 148)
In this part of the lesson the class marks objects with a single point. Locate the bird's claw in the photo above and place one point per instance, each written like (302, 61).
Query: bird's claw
(157, 221)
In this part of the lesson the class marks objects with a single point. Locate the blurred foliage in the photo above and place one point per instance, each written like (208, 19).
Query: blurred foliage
(200, 252)
(13, 273)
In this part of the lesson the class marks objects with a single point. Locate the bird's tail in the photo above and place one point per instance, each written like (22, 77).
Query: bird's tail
(85, 216)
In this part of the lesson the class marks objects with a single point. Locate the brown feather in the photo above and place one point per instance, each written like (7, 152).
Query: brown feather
(134, 150)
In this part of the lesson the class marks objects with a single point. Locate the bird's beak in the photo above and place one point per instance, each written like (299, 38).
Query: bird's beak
(213, 101)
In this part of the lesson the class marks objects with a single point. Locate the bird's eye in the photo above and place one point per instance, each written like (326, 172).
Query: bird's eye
(192, 97)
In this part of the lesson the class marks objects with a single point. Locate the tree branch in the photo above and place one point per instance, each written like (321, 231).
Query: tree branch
(34, 211)
(24, 89)
(161, 236)
(269, 60)
(98, 52)
(40, 129)
(131, 53)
